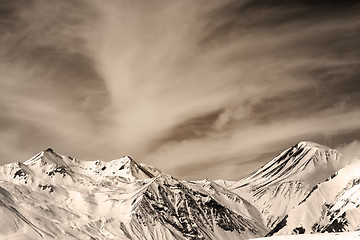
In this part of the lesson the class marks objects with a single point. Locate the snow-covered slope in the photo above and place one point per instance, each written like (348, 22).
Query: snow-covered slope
(53, 196)
(281, 184)
(306, 161)
(333, 206)
(322, 236)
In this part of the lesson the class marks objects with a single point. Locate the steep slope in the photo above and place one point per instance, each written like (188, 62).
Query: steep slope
(198, 210)
(281, 184)
(333, 206)
(51, 196)
(306, 161)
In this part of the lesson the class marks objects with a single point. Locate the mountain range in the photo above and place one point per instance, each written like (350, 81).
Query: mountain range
(308, 188)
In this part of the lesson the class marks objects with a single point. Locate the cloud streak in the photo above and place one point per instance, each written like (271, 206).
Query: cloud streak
(199, 89)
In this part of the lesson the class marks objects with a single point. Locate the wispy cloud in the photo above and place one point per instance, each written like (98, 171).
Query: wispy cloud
(190, 87)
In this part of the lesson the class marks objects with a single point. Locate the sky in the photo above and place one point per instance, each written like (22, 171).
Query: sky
(199, 89)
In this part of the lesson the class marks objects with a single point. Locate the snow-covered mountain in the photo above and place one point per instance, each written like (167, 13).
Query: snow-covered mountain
(282, 183)
(306, 189)
(53, 196)
(332, 206)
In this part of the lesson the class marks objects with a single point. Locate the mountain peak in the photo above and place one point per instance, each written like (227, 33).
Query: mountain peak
(286, 180)
(49, 150)
(306, 161)
(128, 158)
(311, 144)
(48, 156)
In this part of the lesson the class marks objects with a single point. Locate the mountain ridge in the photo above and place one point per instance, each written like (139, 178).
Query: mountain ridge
(123, 199)
(96, 198)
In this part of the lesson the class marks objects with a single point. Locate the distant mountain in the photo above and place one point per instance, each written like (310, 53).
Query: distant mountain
(306, 189)
(286, 180)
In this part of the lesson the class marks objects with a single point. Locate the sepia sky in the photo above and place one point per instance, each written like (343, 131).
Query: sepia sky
(199, 89)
